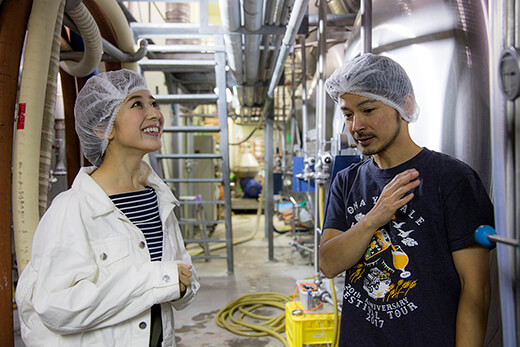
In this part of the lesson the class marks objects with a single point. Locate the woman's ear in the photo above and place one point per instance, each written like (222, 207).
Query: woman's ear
(101, 133)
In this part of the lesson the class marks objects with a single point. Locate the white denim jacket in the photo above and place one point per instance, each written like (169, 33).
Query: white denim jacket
(90, 281)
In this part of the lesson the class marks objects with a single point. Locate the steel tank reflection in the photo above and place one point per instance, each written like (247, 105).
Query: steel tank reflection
(443, 47)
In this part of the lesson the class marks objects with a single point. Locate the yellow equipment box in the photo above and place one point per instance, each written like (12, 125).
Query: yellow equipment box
(308, 328)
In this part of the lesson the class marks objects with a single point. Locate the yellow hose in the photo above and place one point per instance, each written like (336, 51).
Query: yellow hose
(335, 337)
(231, 317)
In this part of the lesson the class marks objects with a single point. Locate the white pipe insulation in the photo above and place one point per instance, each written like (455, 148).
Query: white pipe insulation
(91, 39)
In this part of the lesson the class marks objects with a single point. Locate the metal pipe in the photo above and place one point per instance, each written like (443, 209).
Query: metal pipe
(253, 18)
(269, 20)
(230, 16)
(304, 97)
(320, 129)
(284, 136)
(252, 54)
(299, 9)
(366, 25)
(268, 183)
(501, 142)
(340, 20)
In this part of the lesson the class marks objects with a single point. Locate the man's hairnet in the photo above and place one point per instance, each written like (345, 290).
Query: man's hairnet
(376, 77)
(97, 105)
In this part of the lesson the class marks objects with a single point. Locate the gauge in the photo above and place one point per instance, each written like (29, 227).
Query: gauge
(510, 72)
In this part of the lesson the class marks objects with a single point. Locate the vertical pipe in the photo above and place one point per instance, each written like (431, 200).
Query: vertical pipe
(501, 162)
(13, 22)
(366, 25)
(320, 129)
(293, 89)
(304, 97)
(268, 181)
(514, 233)
(220, 74)
(284, 133)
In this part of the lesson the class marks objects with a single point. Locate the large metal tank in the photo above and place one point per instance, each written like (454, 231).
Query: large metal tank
(442, 44)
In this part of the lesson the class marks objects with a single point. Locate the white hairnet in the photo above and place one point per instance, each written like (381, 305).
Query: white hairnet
(376, 77)
(97, 105)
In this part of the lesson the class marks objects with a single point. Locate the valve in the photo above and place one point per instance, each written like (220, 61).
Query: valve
(487, 236)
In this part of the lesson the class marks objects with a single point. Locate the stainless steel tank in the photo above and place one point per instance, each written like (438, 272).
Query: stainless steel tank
(443, 46)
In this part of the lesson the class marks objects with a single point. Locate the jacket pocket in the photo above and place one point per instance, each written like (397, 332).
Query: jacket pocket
(109, 252)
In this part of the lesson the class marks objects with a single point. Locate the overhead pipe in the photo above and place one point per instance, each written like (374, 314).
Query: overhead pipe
(281, 15)
(332, 19)
(253, 22)
(297, 14)
(230, 15)
(266, 41)
(112, 53)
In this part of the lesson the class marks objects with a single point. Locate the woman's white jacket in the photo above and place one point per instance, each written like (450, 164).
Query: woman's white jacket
(90, 281)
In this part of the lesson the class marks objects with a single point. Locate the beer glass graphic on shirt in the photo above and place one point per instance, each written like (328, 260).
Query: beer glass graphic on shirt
(382, 242)
(400, 260)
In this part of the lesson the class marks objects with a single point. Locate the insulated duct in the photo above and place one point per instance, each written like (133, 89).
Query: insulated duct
(92, 40)
(253, 22)
(230, 14)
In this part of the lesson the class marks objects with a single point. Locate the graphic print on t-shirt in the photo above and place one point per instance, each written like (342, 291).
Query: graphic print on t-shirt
(381, 282)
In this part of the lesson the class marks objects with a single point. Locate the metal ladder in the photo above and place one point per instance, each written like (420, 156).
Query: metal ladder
(185, 130)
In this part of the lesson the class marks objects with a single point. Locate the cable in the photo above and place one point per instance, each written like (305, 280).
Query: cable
(231, 317)
(315, 287)
(244, 140)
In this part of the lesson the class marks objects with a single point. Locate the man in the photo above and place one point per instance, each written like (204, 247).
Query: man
(401, 223)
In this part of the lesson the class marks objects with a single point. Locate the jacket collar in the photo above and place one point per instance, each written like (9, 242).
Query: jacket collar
(100, 203)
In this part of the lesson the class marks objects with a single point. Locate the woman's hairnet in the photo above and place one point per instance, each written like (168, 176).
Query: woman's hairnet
(376, 77)
(97, 105)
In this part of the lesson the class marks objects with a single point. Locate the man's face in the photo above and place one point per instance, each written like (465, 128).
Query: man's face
(374, 126)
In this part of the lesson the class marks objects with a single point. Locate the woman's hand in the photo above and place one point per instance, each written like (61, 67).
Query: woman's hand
(184, 277)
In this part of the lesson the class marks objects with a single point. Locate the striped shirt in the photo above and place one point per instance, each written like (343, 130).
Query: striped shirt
(142, 208)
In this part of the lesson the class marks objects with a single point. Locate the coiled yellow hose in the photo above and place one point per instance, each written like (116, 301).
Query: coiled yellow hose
(231, 317)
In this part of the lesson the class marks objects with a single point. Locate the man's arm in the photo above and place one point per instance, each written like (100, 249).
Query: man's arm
(472, 265)
(339, 250)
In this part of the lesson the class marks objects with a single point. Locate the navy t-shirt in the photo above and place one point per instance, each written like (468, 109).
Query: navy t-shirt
(405, 289)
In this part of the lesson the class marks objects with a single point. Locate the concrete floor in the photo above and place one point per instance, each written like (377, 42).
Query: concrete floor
(253, 273)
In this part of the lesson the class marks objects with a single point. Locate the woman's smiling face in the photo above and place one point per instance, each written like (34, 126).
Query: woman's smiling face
(138, 125)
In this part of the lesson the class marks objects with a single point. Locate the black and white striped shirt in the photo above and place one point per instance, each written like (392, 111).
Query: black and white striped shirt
(142, 208)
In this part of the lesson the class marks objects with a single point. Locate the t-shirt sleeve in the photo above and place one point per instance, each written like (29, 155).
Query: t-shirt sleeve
(466, 207)
(335, 217)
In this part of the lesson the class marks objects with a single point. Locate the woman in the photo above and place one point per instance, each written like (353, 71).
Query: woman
(108, 262)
